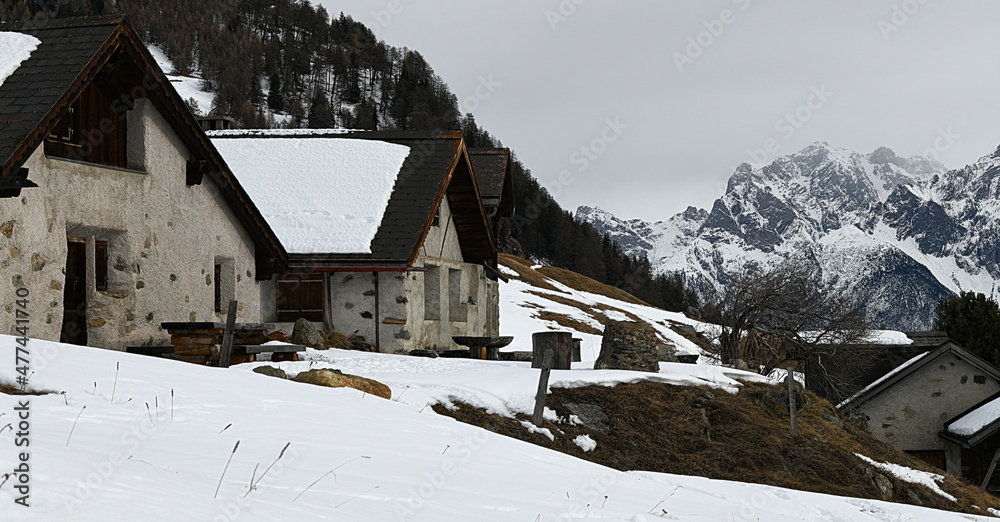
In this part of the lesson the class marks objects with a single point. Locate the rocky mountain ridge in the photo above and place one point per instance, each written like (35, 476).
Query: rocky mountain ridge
(898, 232)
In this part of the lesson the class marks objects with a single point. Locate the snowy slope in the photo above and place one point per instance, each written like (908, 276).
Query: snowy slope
(189, 87)
(349, 456)
(900, 233)
(521, 305)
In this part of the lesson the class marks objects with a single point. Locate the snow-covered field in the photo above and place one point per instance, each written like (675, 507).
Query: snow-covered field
(154, 443)
(127, 437)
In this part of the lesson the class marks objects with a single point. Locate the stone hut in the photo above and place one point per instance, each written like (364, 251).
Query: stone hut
(387, 234)
(116, 213)
(932, 407)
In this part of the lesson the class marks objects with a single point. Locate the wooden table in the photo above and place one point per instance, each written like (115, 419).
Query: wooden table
(193, 341)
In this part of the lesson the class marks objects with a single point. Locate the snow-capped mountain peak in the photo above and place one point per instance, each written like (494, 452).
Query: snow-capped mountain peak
(901, 232)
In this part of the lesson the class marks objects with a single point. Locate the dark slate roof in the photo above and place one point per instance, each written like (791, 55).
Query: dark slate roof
(422, 181)
(913, 365)
(71, 53)
(931, 339)
(67, 46)
(490, 167)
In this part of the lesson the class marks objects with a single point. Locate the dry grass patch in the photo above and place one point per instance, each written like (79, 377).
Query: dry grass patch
(679, 329)
(585, 284)
(525, 273)
(568, 322)
(12, 389)
(744, 437)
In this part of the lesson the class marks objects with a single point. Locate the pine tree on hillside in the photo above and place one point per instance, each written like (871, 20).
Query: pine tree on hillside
(324, 71)
(320, 116)
(275, 101)
(973, 321)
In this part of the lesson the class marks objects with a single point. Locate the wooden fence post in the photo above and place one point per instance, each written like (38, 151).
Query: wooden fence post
(989, 474)
(559, 344)
(226, 351)
(543, 388)
(791, 402)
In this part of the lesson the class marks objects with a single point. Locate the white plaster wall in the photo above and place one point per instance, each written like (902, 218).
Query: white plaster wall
(164, 239)
(443, 250)
(912, 413)
(400, 318)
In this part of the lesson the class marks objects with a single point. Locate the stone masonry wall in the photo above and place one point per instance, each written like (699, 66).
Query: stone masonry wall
(164, 241)
(912, 413)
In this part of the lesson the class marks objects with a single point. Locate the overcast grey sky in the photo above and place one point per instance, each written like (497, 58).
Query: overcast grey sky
(644, 108)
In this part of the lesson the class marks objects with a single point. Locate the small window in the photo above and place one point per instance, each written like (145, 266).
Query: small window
(101, 264)
(93, 130)
(457, 309)
(437, 218)
(66, 129)
(432, 293)
(299, 296)
(224, 283)
(218, 287)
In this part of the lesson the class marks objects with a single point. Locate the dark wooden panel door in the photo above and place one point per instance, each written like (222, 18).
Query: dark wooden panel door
(934, 458)
(74, 329)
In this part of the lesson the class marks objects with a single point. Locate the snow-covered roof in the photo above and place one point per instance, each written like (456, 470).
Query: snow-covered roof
(974, 420)
(237, 133)
(321, 195)
(881, 337)
(888, 337)
(17, 48)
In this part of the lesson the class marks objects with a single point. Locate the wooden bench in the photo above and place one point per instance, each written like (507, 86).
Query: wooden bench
(193, 341)
(279, 352)
(152, 351)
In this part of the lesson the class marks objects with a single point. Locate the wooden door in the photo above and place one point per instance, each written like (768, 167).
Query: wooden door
(74, 329)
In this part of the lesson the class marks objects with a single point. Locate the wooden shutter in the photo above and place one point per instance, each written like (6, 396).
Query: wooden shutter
(299, 295)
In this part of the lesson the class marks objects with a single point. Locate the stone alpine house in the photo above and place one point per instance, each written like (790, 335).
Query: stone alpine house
(116, 212)
(941, 406)
(387, 234)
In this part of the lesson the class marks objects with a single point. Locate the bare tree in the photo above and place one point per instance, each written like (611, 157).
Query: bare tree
(773, 317)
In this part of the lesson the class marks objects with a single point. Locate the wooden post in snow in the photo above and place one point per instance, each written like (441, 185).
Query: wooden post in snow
(558, 344)
(989, 474)
(793, 414)
(543, 388)
(226, 351)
